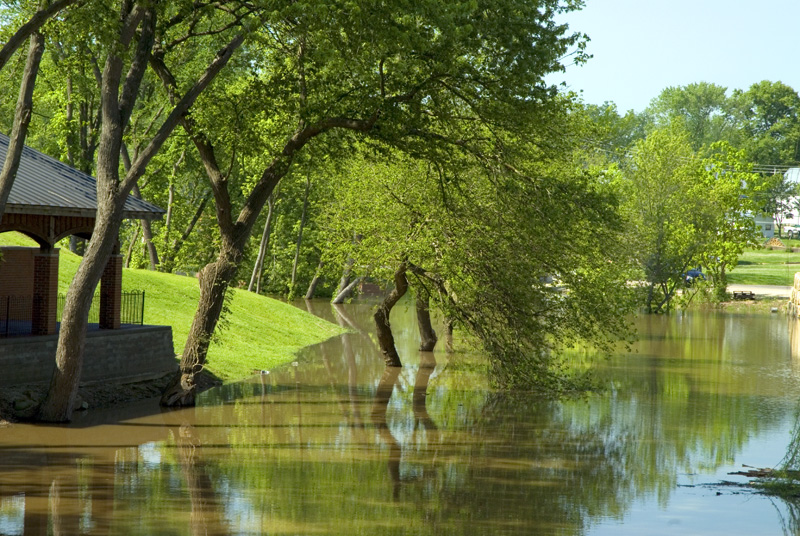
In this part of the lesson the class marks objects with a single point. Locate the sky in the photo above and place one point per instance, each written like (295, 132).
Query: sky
(641, 47)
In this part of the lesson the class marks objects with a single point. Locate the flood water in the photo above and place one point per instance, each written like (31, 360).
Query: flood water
(335, 444)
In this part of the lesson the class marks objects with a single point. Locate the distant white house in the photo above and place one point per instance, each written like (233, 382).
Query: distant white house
(766, 224)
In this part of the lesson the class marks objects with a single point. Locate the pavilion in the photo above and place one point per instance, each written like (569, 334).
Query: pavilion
(50, 201)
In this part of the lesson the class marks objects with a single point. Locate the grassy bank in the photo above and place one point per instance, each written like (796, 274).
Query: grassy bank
(767, 267)
(259, 332)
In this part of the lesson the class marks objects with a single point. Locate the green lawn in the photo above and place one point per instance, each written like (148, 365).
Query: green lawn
(260, 332)
(767, 267)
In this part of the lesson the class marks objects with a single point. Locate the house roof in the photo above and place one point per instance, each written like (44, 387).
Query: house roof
(47, 186)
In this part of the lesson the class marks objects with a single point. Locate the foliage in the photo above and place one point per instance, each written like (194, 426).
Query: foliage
(702, 108)
(487, 244)
(685, 211)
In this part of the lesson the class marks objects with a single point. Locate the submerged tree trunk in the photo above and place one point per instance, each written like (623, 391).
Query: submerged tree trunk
(262, 248)
(346, 292)
(312, 287)
(214, 280)
(22, 118)
(427, 334)
(345, 281)
(381, 316)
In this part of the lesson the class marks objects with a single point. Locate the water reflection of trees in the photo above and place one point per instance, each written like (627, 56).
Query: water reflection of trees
(340, 445)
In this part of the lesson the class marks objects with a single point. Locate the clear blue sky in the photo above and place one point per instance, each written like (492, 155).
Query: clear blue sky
(641, 47)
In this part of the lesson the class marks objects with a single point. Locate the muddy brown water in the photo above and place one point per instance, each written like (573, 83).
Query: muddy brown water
(335, 444)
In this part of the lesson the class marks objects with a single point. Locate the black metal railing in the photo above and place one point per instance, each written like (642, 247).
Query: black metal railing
(16, 315)
(131, 308)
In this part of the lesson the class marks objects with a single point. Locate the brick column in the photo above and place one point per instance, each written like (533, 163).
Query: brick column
(45, 292)
(111, 294)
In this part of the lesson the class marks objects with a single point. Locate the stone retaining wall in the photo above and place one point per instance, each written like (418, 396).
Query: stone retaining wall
(131, 353)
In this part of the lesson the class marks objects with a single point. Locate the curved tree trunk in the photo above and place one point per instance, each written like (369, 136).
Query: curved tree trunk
(345, 281)
(427, 334)
(22, 118)
(214, 281)
(346, 292)
(384, 328)
(58, 405)
(111, 196)
(312, 287)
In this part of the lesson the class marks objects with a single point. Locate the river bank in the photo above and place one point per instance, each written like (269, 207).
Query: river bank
(18, 403)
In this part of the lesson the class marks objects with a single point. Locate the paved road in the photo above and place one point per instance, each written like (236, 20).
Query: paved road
(762, 290)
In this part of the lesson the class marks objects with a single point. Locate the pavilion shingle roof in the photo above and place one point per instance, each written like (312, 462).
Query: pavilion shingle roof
(46, 186)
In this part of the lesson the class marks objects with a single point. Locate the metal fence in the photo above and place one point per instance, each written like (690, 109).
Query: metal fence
(16, 312)
(131, 310)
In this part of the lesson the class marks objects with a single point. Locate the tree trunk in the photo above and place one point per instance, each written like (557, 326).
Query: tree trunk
(427, 334)
(147, 230)
(22, 119)
(263, 246)
(344, 282)
(214, 281)
(346, 292)
(381, 316)
(171, 197)
(118, 96)
(300, 235)
(312, 287)
(31, 27)
(58, 405)
(169, 258)
(131, 245)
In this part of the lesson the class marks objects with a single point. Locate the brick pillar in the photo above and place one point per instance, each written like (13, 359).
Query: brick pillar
(45, 292)
(111, 294)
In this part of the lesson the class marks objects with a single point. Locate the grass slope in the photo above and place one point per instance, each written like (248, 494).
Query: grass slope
(258, 333)
(766, 267)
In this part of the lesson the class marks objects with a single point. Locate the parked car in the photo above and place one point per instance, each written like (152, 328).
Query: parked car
(793, 231)
(693, 275)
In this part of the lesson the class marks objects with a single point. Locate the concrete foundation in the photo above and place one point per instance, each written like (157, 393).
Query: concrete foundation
(129, 354)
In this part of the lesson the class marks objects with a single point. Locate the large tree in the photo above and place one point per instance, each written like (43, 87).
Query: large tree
(523, 254)
(405, 76)
(703, 108)
(684, 211)
(769, 115)
(129, 31)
